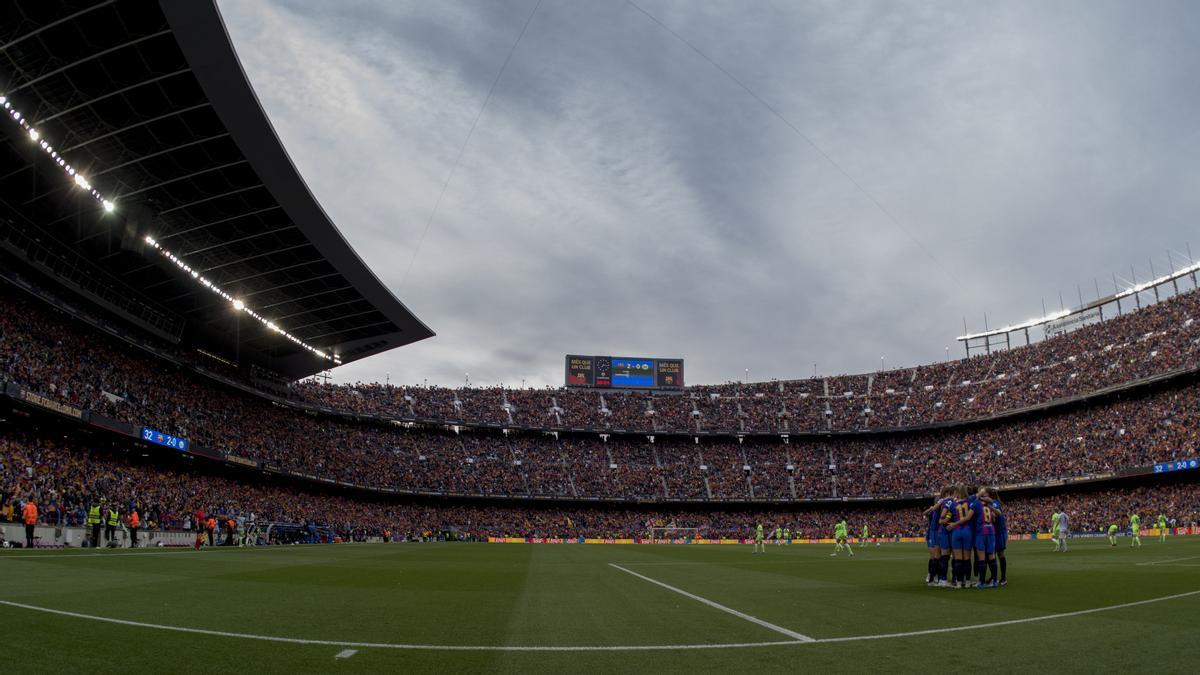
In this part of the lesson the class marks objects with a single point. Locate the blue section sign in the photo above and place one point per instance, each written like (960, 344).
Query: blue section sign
(159, 438)
(1179, 465)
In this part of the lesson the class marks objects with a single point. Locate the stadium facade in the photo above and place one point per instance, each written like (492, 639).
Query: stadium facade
(172, 277)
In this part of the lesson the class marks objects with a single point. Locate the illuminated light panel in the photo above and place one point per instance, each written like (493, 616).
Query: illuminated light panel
(238, 304)
(36, 136)
(109, 206)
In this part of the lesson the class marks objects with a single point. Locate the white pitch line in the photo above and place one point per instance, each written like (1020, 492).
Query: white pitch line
(741, 615)
(1010, 622)
(388, 645)
(345, 653)
(740, 563)
(51, 556)
(586, 648)
(207, 550)
(1164, 562)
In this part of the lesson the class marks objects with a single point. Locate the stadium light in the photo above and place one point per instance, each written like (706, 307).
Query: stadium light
(237, 303)
(1132, 290)
(36, 136)
(109, 206)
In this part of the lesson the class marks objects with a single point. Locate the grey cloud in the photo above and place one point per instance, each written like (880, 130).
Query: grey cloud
(622, 196)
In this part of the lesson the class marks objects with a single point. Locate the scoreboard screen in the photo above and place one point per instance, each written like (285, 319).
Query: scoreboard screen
(632, 372)
(624, 372)
(669, 373)
(580, 371)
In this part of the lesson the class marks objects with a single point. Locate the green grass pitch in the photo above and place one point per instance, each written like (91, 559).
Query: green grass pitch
(528, 595)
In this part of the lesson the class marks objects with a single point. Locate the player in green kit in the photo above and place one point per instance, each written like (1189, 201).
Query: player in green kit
(787, 534)
(779, 536)
(1112, 534)
(758, 539)
(1162, 528)
(866, 534)
(1054, 531)
(841, 534)
(1135, 526)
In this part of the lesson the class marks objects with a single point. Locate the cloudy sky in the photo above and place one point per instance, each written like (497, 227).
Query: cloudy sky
(815, 183)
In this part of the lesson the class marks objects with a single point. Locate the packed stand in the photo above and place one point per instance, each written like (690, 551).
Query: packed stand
(68, 362)
(63, 477)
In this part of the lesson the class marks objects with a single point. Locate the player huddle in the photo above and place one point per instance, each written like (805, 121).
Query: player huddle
(967, 536)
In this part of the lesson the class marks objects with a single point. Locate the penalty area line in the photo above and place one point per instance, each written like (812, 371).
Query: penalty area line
(728, 610)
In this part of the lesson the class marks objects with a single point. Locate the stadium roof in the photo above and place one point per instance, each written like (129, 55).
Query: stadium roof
(150, 103)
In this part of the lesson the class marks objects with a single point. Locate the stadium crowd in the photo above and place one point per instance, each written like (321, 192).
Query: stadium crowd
(63, 476)
(39, 346)
(1156, 339)
(79, 366)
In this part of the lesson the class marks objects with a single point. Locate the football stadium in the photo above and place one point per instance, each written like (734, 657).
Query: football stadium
(190, 481)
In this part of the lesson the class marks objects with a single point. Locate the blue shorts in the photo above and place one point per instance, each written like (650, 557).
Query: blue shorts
(986, 542)
(941, 539)
(960, 539)
(1001, 540)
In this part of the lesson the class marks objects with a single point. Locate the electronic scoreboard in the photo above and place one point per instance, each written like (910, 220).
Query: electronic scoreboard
(624, 372)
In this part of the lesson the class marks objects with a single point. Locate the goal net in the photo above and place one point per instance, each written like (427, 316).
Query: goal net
(674, 532)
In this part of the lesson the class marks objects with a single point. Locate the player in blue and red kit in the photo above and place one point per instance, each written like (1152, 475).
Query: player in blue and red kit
(985, 539)
(942, 514)
(934, 536)
(962, 538)
(973, 569)
(1001, 535)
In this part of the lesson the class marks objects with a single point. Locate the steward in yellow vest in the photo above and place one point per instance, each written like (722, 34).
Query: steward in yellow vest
(110, 527)
(93, 521)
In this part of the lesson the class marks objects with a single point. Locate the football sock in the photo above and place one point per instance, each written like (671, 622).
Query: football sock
(1004, 569)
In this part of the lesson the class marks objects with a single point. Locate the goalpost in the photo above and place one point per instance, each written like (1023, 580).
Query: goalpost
(674, 533)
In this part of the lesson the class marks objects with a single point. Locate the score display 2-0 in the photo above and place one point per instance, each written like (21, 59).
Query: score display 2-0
(623, 372)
